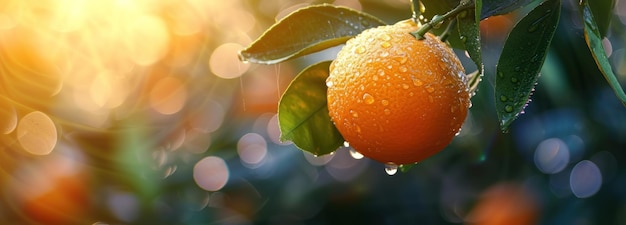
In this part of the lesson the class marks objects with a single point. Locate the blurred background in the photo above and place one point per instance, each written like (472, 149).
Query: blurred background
(139, 112)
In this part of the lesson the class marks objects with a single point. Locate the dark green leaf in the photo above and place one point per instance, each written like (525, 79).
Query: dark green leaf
(469, 30)
(440, 7)
(303, 112)
(500, 7)
(594, 41)
(306, 31)
(522, 58)
(602, 11)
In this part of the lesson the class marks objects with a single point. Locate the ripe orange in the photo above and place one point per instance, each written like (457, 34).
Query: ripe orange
(394, 98)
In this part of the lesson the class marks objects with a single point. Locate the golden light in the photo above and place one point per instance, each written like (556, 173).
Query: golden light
(8, 116)
(168, 96)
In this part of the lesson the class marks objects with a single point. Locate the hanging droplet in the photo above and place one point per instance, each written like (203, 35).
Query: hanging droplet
(355, 154)
(391, 169)
(329, 83)
(346, 144)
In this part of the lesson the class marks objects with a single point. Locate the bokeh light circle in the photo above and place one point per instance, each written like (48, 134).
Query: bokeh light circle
(8, 116)
(36, 133)
(252, 148)
(585, 179)
(552, 155)
(211, 173)
(224, 61)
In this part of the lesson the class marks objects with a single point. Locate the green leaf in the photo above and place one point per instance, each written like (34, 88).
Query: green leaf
(522, 58)
(308, 30)
(602, 11)
(469, 30)
(303, 112)
(441, 7)
(500, 7)
(594, 41)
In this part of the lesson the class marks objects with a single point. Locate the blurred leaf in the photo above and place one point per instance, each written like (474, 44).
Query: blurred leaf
(522, 58)
(308, 30)
(303, 112)
(406, 167)
(602, 11)
(594, 41)
(469, 30)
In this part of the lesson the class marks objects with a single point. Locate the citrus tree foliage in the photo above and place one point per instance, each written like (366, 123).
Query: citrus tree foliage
(303, 114)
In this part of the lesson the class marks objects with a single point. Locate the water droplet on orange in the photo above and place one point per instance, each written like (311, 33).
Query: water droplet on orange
(369, 99)
(354, 113)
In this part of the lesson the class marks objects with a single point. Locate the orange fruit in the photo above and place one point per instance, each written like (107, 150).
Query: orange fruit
(394, 98)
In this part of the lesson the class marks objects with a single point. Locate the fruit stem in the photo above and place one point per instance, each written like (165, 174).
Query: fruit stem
(438, 19)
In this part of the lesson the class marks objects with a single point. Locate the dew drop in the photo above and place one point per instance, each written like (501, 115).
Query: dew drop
(381, 72)
(346, 144)
(385, 37)
(358, 129)
(375, 78)
(385, 102)
(359, 50)
(430, 89)
(403, 69)
(514, 80)
(354, 113)
(355, 154)
(508, 108)
(391, 169)
(369, 99)
(387, 111)
(503, 98)
(417, 82)
(405, 86)
(329, 83)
